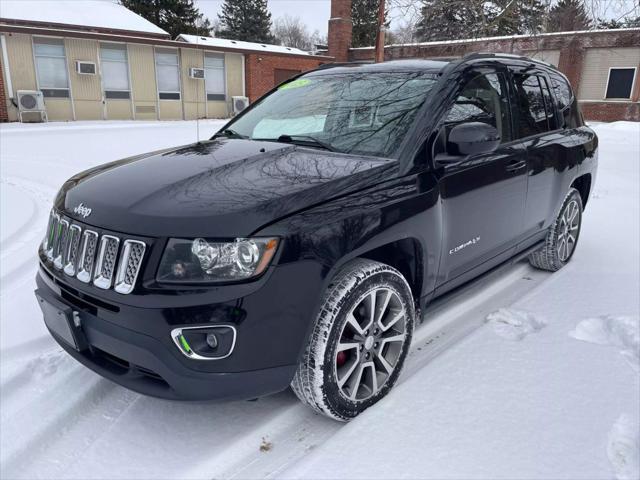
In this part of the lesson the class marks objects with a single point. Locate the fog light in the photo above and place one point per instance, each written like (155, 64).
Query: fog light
(212, 340)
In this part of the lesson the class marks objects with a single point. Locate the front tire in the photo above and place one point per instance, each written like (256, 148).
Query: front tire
(562, 237)
(359, 342)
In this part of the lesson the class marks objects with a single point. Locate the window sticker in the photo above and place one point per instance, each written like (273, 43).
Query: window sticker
(299, 83)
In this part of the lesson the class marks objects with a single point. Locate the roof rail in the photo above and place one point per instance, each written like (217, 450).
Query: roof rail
(481, 55)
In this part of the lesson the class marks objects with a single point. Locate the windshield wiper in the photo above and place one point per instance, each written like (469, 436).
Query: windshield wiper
(229, 133)
(307, 140)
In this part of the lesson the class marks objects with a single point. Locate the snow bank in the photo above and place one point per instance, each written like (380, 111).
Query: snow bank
(622, 332)
(515, 324)
(623, 448)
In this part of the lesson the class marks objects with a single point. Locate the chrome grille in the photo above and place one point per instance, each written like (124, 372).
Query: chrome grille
(106, 262)
(87, 255)
(129, 267)
(52, 235)
(48, 237)
(92, 257)
(60, 243)
(70, 258)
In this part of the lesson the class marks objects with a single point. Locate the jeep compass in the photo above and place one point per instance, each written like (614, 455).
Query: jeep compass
(298, 245)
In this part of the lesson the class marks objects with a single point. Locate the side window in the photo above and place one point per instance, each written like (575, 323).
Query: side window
(532, 115)
(168, 74)
(115, 70)
(51, 66)
(214, 76)
(483, 99)
(564, 97)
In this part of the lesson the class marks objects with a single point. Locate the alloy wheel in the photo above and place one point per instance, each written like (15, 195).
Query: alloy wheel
(370, 344)
(568, 230)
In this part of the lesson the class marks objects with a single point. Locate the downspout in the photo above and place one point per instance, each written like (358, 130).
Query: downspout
(7, 71)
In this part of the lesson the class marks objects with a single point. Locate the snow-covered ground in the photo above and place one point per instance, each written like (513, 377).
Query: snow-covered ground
(521, 374)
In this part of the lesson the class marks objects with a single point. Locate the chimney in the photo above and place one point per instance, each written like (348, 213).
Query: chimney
(340, 30)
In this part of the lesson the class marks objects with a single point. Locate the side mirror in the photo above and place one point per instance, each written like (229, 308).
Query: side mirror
(473, 138)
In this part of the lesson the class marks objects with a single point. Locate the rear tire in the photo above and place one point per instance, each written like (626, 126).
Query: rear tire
(562, 237)
(359, 342)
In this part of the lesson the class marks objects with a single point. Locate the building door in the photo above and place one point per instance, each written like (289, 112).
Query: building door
(281, 75)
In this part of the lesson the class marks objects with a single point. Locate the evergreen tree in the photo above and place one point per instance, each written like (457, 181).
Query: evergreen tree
(514, 17)
(569, 16)
(450, 20)
(247, 20)
(174, 16)
(627, 22)
(364, 14)
(458, 19)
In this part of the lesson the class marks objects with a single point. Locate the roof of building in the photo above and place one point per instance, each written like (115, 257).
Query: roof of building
(240, 45)
(506, 37)
(99, 14)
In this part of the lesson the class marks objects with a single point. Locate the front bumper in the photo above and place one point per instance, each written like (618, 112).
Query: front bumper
(132, 345)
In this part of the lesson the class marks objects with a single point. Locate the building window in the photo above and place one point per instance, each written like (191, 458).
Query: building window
(620, 83)
(51, 67)
(168, 74)
(115, 70)
(214, 76)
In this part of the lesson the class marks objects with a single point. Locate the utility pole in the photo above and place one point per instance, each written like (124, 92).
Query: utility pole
(380, 36)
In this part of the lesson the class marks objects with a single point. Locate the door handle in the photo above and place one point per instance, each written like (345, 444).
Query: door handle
(515, 165)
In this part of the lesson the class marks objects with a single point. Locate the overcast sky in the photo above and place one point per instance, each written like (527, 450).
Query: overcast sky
(315, 13)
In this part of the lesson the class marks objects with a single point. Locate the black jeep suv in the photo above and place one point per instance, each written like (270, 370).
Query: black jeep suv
(297, 246)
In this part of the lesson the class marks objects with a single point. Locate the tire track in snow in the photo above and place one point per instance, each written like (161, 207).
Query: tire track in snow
(85, 395)
(15, 272)
(445, 322)
(293, 429)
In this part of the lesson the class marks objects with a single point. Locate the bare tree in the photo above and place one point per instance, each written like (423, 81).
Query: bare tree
(292, 32)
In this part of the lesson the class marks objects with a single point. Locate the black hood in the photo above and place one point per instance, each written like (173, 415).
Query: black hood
(222, 188)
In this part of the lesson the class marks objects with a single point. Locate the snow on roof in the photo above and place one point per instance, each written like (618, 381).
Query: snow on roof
(239, 45)
(88, 13)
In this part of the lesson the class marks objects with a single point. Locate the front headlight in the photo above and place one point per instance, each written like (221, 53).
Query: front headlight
(208, 261)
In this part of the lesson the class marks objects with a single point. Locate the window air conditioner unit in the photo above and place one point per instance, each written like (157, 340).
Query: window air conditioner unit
(239, 104)
(197, 73)
(31, 101)
(85, 68)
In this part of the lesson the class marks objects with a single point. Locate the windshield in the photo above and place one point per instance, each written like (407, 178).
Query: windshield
(360, 113)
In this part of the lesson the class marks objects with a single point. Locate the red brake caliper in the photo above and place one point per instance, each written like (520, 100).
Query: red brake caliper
(341, 358)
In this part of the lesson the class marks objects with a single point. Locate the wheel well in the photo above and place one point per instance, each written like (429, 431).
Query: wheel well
(583, 185)
(405, 256)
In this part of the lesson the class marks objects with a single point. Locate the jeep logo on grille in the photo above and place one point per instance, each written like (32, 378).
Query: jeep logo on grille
(83, 211)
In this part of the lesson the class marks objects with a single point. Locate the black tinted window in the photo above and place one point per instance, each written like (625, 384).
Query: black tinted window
(532, 115)
(620, 82)
(483, 99)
